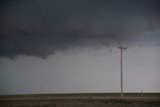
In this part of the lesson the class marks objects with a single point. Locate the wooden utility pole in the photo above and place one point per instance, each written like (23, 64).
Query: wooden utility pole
(121, 68)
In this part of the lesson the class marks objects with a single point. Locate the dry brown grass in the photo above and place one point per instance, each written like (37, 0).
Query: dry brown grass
(80, 100)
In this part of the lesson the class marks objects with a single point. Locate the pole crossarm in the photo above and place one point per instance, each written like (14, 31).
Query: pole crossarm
(122, 47)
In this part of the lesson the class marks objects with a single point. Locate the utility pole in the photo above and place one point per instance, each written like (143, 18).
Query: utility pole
(121, 68)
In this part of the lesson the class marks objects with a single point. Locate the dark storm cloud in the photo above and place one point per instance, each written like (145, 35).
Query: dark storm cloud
(42, 27)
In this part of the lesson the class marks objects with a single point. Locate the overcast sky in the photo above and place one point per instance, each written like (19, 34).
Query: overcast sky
(49, 46)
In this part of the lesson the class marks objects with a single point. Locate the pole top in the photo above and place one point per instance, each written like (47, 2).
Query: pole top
(121, 47)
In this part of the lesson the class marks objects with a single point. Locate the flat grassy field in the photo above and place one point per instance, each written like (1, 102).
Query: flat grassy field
(81, 100)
